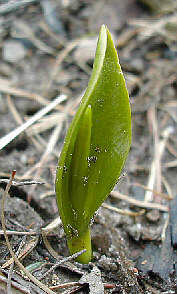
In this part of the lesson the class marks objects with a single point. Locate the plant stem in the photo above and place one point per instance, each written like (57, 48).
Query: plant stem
(78, 243)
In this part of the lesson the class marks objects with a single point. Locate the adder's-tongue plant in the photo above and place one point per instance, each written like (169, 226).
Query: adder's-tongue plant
(95, 148)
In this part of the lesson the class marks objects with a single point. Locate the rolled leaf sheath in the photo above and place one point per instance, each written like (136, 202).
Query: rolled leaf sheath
(79, 239)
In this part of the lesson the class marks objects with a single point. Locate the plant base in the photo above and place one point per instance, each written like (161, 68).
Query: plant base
(79, 243)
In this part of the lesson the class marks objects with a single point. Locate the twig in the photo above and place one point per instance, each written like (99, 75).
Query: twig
(75, 255)
(29, 275)
(9, 137)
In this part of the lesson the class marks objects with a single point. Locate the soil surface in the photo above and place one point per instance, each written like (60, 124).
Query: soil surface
(46, 50)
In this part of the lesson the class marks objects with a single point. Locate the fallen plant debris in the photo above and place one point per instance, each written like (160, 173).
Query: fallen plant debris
(50, 63)
(6, 181)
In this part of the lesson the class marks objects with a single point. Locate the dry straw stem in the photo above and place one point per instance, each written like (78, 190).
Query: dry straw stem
(15, 285)
(23, 30)
(59, 59)
(160, 194)
(12, 135)
(12, 266)
(46, 230)
(10, 233)
(13, 110)
(143, 204)
(72, 257)
(17, 184)
(159, 147)
(6, 88)
(159, 26)
(14, 5)
(46, 155)
(73, 284)
(29, 275)
(26, 250)
(45, 123)
(19, 120)
(123, 211)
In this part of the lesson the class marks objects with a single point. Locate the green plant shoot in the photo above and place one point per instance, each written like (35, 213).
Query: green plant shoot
(95, 148)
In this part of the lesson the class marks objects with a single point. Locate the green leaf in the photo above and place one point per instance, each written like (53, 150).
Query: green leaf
(96, 145)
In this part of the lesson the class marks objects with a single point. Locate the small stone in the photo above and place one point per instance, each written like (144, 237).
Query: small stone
(13, 51)
(153, 215)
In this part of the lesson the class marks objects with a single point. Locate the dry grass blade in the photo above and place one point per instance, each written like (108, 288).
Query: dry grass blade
(73, 256)
(143, 204)
(19, 121)
(17, 184)
(59, 59)
(45, 157)
(123, 211)
(53, 225)
(46, 123)
(47, 194)
(172, 163)
(151, 27)
(9, 137)
(26, 250)
(48, 246)
(160, 194)
(29, 275)
(65, 285)
(7, 89)
(23, 30)
(155, 172)
(15, 285)
(18, 233)
(167, 187)
(11, 268)
(13, 110)
(159, 147)
(14, 5)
